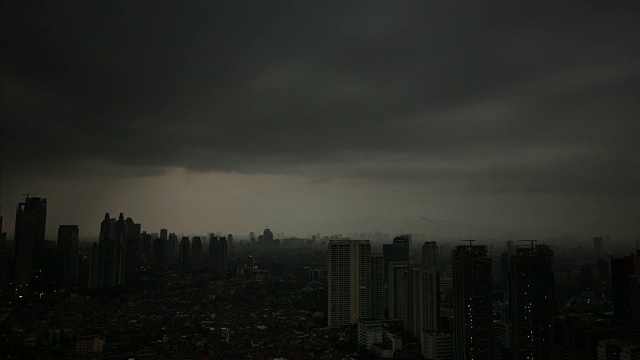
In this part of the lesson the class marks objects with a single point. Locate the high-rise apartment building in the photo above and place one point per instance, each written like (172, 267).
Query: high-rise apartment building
(31, 216)
(472, 303)
(349, 281)
(398, 273)
(223, 256)
(67, 250)
(377, 286)
(164, 234)
(214, 254)
(422, 312)
(531, 302)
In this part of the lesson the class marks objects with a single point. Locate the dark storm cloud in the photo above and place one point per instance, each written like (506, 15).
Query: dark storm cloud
(459, 96)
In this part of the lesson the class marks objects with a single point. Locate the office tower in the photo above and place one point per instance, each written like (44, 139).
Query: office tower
(625, 282)
(472, 307)
(597, 246)
(377, 285)
(196, 253)
(67, 250)
(163, 234)
(223, 256)
(267, 238)
(185, 255)
(159, 252)
(31, 216)
(172, 247)
(349, 281)
(532, 302)
(429, 254)
(214, 254)
(398, 273)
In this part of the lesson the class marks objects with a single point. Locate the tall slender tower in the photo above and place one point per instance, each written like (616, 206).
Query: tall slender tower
(349, 281)
(223, 256)
(31, 216)
(67, 249)
(377, 285)
(214, 254)
(185, 255)
(398, 273)
(531, 302)
(472, 307)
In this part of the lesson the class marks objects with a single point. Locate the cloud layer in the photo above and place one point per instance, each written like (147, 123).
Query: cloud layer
(456, 97)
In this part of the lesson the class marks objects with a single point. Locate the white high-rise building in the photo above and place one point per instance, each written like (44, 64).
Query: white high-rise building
(377, 286)
(349, 281)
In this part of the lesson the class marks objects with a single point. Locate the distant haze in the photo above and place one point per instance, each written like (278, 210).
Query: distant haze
(457, 120)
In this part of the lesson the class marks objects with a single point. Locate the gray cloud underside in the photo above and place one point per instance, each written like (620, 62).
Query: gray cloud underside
(458, 97)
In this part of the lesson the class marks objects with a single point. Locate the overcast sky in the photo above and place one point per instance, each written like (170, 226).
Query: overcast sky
(454, 118)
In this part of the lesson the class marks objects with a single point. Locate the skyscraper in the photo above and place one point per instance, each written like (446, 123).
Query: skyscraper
(267, 238)
(163, 234)
(625, 282)
(159, 252)
(117, 252)
(214, 254)
(377, 285)
(196, 253)
(531, 302)
(429, 254)
(349, 281)
(67, 250)
(31, 216)
(172, 248)
(223, 256)
(398, 273)
(185, 255)
(472, 307)
(422, 312)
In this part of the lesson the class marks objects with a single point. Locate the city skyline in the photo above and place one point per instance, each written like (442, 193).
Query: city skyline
(464, 119)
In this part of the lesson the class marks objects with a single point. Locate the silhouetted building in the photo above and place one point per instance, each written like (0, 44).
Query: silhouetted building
(429, 254)
(349, 281)
(267, 239)
(576, 336)
(223, 256)
(472, 303)
(614, 349)
(163, 234)
(147, 246)
(159, 252)
(625, 282)
(531, 302)
(67, 250)
(31, 216)
(116, 253)
(185, 255)
(229, 242)
(173, 248)
(196, 253)
(214, 254)
(598, 246)
(398, 251)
